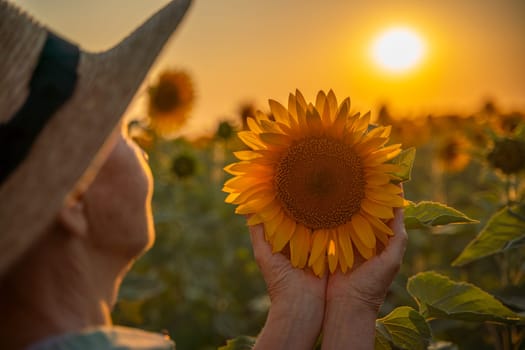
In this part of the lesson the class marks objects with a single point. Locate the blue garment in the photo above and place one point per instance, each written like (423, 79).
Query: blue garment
(106, 338)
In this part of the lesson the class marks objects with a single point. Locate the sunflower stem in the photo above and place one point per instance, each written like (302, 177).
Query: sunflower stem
(508, 189)
(496, 335)
(520, 335)
(505, 336)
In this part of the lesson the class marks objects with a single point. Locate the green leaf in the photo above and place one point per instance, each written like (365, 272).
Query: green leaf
(442, 345)
(405, 328)
(427, 214)
(242, 342)
(505, 230)
(519, 132)
(440, 297)
(406, 160)
(139, 287)
(381, 340)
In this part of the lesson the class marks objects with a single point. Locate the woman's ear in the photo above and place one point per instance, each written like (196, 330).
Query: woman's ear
(72, 217)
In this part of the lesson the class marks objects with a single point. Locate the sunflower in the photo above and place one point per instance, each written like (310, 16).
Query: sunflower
(318, 180)
(453, 153)
(506, 124)
(170, 101)
(225, 130)
(508, 155)
(184, 166)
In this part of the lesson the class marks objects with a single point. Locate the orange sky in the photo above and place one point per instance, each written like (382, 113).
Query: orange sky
(239, 50)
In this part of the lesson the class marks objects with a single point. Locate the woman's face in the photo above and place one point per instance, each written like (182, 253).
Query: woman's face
(118, 202)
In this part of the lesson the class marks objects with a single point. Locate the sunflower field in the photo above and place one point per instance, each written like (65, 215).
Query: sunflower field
(461, 284)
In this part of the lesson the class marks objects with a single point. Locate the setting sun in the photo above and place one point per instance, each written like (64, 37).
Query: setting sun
(398, 49)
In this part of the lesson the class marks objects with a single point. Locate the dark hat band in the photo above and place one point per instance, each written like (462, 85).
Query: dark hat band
(51, 85)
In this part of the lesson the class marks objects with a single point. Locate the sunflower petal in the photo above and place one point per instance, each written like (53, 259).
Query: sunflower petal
(244, 167)
(292, 109)
(300, 99)
(377, 179)
(331, 101)
(278, 140)
(362, 123)
(319, 243)
(321, 105)
(292, 112)
(319, 266)
(365, 252)
(345, 243)
(243, 182)
(363, 230)
(376, 209)
(228, 169)
(314, 120)
(352, 132)
(231, 197)
(270, 211)
(370, 144)
(260, 116)
(386, 168)
(320, 100)
(391, 188)
(246, 208)
(338, 127)
(279, 111)
(347, 103)
(254, 205)
(342, 263)
(376, 132)
(301, 117)
(286, 129)
(326, 117)
(300, 246)
(255, 220)
(246, 155)
(253, 126)
(383, 154)
(269, 126)
(244, 196)
(270, 226)
(259, 195)
(251, 140)
(332, 254)
(268, 157)
(385, 198)
(387, 130)
(378, 224)
(283, 234)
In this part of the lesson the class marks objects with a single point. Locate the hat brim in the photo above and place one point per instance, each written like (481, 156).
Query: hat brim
(75, 142)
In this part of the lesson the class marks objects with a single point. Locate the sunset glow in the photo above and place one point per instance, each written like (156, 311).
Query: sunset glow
(398, 50)
(419, 58)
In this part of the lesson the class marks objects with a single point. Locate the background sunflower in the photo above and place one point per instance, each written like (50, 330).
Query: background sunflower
(170, 101)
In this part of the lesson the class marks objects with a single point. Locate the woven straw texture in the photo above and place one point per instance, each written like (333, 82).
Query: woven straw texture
(74, 143)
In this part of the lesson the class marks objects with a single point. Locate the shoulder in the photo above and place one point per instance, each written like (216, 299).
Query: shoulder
(107, 338)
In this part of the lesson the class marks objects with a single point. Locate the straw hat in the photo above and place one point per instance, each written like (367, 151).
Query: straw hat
(65, 153)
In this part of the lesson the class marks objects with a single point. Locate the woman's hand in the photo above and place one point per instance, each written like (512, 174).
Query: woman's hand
(345, 306)
(369, 280)
(353, 299)
(297, 299)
